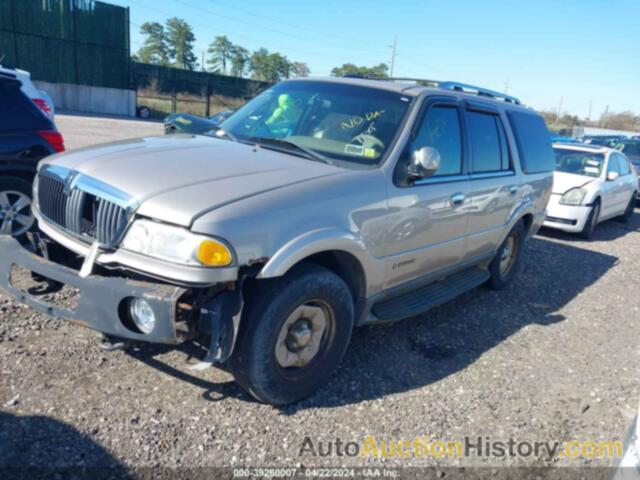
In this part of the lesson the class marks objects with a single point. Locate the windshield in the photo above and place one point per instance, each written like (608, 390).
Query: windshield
(340, 122)
(579, 163)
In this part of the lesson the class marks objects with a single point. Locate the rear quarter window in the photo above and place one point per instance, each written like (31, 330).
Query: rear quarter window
(17, 112)
(533, 141)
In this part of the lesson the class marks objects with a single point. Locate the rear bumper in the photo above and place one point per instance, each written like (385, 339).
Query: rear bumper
(100, 302)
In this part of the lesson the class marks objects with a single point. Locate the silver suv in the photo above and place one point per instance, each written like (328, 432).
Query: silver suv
(321, 205)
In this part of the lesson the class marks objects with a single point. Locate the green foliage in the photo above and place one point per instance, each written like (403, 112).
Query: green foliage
(154, 50)
(220, 52)
(239, 60)
(300, 69)
(378, 71)
(180, 40)
(269, 67)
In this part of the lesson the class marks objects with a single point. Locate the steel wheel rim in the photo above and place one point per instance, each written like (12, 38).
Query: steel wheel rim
(16, 217)
(508, 254)
(301, 335)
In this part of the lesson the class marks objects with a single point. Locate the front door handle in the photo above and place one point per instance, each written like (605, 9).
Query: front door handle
(457, 199)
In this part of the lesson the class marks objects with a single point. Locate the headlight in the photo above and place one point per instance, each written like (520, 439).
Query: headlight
(575, 196)
(175, 244)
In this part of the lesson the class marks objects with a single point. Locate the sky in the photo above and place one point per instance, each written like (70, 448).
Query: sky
(574, 55)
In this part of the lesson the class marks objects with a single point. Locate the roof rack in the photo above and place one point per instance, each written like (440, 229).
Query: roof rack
(456, 86)
(483, 92)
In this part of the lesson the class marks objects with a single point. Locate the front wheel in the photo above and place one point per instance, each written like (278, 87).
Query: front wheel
(293, 334)
(506, 263)
(592, 221)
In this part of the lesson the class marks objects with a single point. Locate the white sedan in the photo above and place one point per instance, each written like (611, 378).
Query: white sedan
(591, 184)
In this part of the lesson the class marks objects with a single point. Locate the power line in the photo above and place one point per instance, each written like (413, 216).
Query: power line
(298, 27)
(208, 27)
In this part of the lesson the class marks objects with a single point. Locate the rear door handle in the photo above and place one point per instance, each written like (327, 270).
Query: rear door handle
(513, 189)
(457, 199)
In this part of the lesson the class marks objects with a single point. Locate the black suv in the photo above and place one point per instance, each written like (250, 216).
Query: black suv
(26, 136)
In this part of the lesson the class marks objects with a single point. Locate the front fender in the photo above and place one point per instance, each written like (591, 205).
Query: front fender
(324, 240)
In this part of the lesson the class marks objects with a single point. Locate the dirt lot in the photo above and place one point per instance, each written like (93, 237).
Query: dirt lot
(554, 358)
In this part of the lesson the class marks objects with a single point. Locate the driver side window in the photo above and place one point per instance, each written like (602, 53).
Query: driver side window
(440, 129)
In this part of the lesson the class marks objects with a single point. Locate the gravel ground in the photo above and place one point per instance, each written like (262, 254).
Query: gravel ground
(553, 358)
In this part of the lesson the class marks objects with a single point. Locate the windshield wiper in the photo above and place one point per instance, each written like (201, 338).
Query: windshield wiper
(221, 133)
(288, 145)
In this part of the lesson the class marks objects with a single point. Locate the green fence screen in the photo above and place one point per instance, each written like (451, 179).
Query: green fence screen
(68, 41)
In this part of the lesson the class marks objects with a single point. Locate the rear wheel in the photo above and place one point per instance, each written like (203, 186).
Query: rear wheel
(16, 217)
(628, 213)
(294, 332)
(144, 112)
(506, 263)
(592, 221)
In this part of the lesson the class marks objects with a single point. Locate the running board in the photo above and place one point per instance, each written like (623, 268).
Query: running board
(424, 298)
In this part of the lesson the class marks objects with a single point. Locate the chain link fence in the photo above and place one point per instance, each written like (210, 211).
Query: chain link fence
(168, 90)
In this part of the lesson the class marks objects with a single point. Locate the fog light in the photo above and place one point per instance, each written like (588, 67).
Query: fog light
(142, 315)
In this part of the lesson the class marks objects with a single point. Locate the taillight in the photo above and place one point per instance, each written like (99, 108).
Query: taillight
(42, 105)
(53, 138)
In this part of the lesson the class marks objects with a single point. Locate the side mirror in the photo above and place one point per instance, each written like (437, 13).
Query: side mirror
(611, 176)
(424, 163)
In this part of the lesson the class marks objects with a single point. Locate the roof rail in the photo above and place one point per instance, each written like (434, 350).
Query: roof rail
(462, 87)
(456, 86)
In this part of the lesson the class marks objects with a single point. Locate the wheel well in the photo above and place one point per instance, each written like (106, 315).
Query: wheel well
(346, 266)
(23, 174)
(528, 221)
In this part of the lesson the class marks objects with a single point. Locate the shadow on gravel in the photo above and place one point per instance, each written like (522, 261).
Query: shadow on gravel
(400, 357)
(38, 447)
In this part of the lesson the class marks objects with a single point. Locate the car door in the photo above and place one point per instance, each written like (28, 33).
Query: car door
(493, 180)
(427, 218)
(611, 189)
(627, 180)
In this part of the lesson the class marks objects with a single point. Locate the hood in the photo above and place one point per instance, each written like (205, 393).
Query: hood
(562, 182)
(174, 178)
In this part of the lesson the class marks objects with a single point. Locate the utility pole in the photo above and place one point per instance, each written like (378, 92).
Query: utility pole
(590, 107)
(393, 55)
(603, 120)
(559, 111)
(506, 87)
(203, 60)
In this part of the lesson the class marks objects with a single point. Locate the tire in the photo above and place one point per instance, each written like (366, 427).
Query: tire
(144, 112)
(628, 212)
(257, 363)
(592, 222)
(502, 274)
(14, 192)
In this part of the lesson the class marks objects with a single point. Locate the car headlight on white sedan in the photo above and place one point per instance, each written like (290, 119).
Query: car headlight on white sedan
(573, 197)
(175, 244)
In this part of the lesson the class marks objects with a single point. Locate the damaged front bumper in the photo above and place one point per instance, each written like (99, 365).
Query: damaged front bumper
(101, 302)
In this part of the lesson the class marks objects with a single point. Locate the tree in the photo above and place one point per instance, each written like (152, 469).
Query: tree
(300, 69)
(155, 49)
(239, 60)
(269, 67)
(220, 54)
(378, 71)
(180, 40)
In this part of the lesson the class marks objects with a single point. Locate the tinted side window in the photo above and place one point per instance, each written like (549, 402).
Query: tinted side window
(440, 129)
(613, 165)
(488, 143)
(623, 165)
(533, 141)
(17, 112)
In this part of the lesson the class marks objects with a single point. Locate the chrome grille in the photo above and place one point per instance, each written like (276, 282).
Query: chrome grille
(87, 215)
